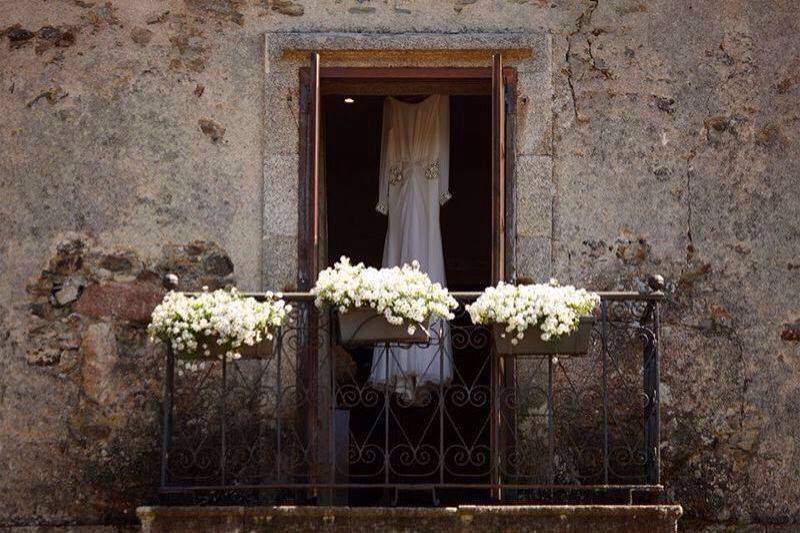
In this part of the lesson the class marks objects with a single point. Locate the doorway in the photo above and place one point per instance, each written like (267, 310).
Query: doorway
(498, 83)
(350, 167)
(351, 128)
(341, 125)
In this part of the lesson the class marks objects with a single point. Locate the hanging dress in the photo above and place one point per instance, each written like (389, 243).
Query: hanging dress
(413, 181)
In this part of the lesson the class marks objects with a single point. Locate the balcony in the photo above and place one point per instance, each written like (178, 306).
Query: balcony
(300, 424)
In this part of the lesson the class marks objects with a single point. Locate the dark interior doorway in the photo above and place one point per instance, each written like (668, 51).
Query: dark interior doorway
(351, 147)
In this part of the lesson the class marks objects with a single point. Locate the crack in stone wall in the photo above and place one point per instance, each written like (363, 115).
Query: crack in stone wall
(689, 170)
(584, 19)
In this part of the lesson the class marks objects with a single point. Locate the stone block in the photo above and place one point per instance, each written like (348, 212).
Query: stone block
(280, 262)
(197, 264)
(535, 193)
(534, 113)
(98, 356)
(282, 99)
(533, 257)
(69, 291)
(280, 195)
(133, 302)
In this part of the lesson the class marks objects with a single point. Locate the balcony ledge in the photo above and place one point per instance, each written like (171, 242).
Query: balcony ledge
(597, 518)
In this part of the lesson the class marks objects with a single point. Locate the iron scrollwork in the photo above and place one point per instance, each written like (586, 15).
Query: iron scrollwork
(305, 417)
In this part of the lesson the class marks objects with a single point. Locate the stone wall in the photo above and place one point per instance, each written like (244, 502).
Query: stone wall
(82, 384)
(667, 143)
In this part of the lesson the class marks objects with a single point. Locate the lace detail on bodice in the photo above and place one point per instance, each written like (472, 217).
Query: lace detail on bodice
(399, 171)
(396, 175)
(432, 172)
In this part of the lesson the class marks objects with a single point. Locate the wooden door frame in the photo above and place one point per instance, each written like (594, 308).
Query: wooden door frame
(502, 253)
(308, 262)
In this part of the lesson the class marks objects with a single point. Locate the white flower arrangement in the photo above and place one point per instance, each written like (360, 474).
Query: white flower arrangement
(193, 323)
(555, 309)
(400, 294)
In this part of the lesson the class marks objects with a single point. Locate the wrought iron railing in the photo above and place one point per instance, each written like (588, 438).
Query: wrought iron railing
(303, 422)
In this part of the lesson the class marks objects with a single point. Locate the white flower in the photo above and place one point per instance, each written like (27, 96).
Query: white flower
(187, 321)
(400, 294)
(555, 309)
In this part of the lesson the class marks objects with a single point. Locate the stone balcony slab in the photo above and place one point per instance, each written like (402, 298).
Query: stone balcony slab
(477, 518)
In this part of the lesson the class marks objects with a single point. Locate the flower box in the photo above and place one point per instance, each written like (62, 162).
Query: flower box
(537, 319)
(574, 343)
(382, 305)
(364, 325)
(192, 324)
(260, 350)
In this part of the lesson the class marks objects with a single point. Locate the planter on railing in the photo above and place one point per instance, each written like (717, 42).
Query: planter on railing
(521, 315)
(364, 325)
(368, 300)
(193, 324)
(260, 350)
(574, 343)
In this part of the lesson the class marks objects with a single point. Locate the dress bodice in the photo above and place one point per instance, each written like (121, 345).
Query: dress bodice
(415, 144)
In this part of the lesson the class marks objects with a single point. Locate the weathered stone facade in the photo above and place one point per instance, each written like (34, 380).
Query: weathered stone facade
(653, 136)
(85, 425)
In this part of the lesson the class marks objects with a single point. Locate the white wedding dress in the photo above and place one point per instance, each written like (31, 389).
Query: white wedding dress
(414, 169)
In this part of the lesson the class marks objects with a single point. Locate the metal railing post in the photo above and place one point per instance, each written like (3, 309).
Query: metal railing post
(651, 378)
(494, 425)
(655, 431)
(278, 403)
(166, 436)
(170, 282)
(604, 333)
(551, 445)
(223, 420)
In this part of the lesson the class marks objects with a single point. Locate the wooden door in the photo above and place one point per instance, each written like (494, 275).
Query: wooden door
(308, 257)
(498, 170)
(307, 376)
(502, 227)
